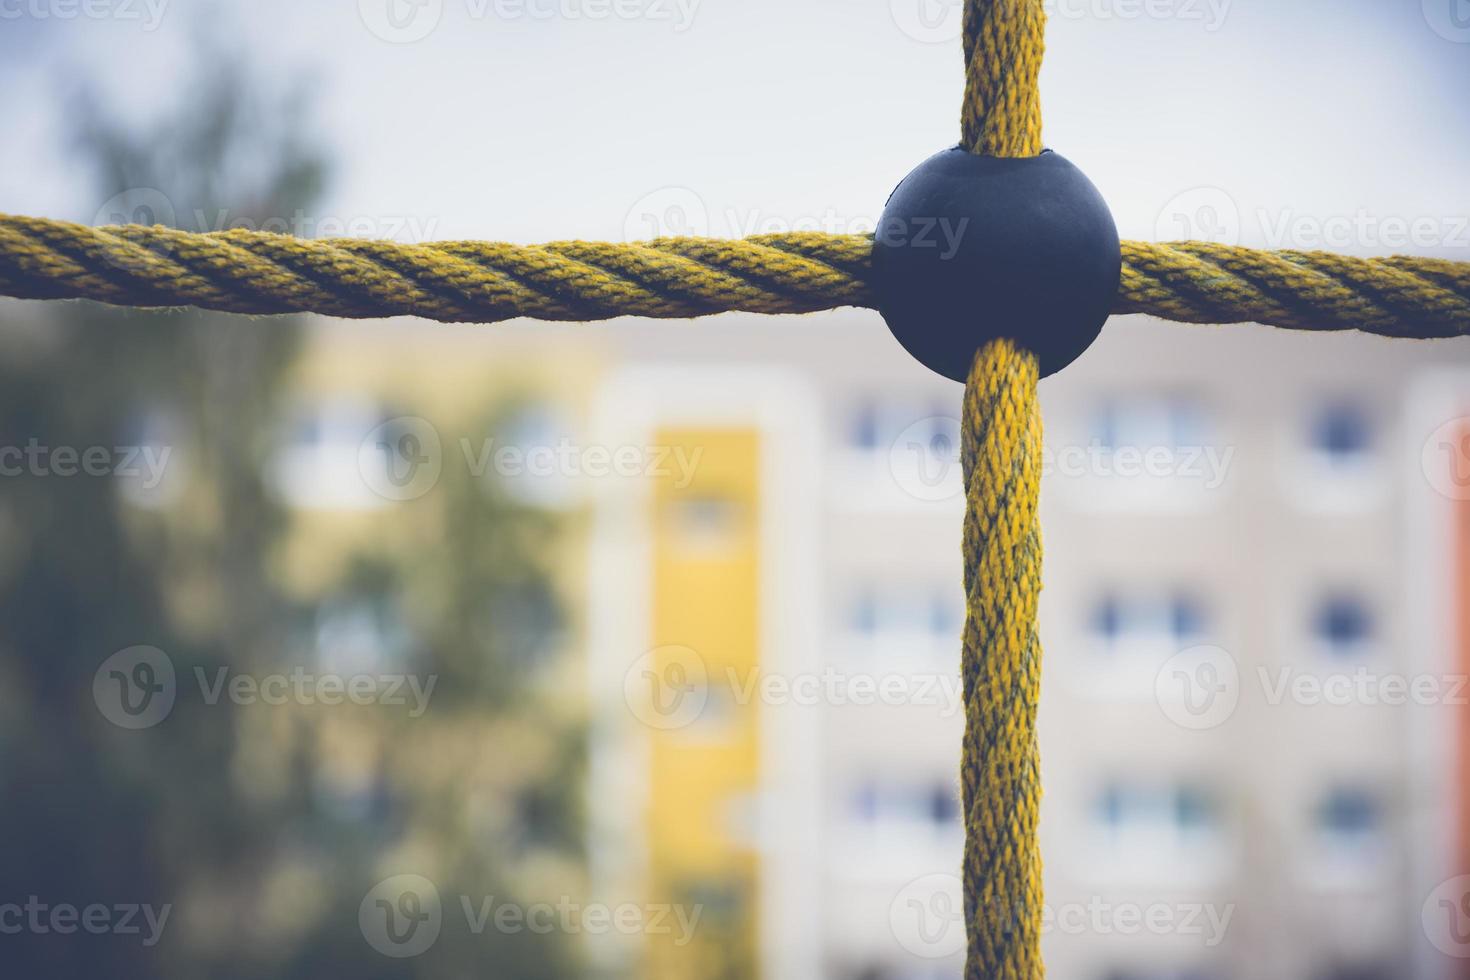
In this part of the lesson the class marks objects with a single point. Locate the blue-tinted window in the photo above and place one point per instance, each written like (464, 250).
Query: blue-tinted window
(1147, 422)
(943, 806)
(1349, 812)
(945, 616)
(1342, 431)
(1192, 808)
(1343, 624)
(865, 613)
(1188, 618)
(864, 430)
(1107, 618)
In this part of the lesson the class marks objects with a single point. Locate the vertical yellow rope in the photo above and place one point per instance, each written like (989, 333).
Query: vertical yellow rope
(1001, 666)
(1000, 769)
(1004, 42)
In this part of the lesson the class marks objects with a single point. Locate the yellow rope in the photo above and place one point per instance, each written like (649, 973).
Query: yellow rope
(1000, 776)
(260, 272)
(1000, 451)
(1004, 42)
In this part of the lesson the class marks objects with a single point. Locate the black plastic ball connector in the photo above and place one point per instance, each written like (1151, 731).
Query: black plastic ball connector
(973, 248)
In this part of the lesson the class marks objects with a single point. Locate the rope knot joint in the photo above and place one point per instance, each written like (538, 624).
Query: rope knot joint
(974, 248)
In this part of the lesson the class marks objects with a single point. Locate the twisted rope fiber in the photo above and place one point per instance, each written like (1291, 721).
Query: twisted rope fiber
(243, 271)
(1000, 770)
(1000, 449)
(1004, 44)
(485, 282)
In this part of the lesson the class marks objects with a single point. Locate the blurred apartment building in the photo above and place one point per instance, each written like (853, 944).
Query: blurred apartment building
(1233, 520)
(1250, 550)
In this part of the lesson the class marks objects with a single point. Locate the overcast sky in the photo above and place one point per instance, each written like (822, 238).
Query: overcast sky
(1265, 121)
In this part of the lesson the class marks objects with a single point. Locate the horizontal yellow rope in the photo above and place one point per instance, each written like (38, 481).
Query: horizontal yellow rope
(260, 272)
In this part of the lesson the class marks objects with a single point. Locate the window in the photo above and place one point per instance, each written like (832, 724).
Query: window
(1157, 830)
(360, 636)
(704, 525)
(1349, 819)
(900, 621)
(864, 430)
(1170, 811)
(339, 453)
(1341, 434)
(1168, 422)
(903, 806)
(1342, 626)
(1349, 844)
(151, 468)
(947, 615)
(865, 613)
(1146, 623)
(1143, 452)
(538, 460)
(526, 620)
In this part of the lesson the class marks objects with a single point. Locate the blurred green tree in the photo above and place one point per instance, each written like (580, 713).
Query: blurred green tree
(259, 883)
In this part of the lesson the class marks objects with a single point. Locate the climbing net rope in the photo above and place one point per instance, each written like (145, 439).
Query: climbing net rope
(1196, 282)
